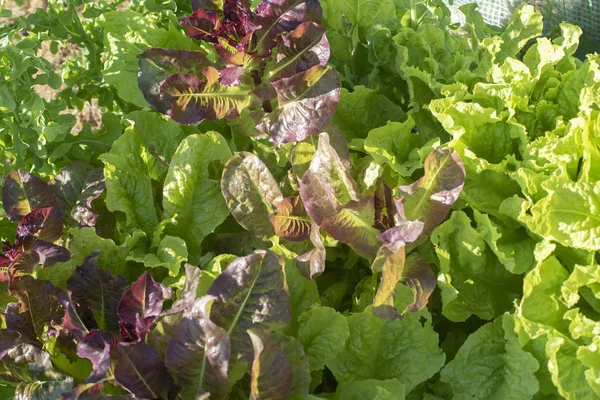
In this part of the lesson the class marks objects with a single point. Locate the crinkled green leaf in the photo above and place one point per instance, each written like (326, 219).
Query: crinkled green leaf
(323, 333)
(363, 110)
(190, 196)
(371, 389)
(471, 278)
(377, 349)
(491, 364)
(128, 186)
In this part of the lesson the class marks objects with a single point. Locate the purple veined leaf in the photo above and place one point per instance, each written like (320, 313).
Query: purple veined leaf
(302, 49)
(432, 196)
(272, 375)
(75, 188)
(333, 201)
(277, 16)
(251, 293)
(22, 193)
(192, 100)
(251, 192)
(142, 372)
(306, 103)
(140, 305)
(384, 207)
(290, 220)
(198, 354)
(312, 263)
(44, 222)
(156, 65)
(37, 308)
(202, 25)
(96, 294)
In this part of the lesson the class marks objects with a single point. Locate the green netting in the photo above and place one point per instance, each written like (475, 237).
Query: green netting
(585, 13)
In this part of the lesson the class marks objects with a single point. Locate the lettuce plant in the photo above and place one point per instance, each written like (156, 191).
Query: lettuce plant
(270, 74)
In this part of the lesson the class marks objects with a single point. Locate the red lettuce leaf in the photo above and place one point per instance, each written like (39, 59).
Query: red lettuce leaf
(272, 374)
(23, 192)
(290, 220)
(198, 354)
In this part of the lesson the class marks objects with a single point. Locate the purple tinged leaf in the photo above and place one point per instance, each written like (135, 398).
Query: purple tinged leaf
(193, 100)
(38, 307)
(251, 293)
(156, 65)
(251, 192)
(290, 220)
(23, 264)
(328, 184)
(140, 305)
(399, 236)
(100, 359)
(75, 188)
(198, 354)
(277, 16)
(142, 372)
(203, 25)
(44, 223)
(7, 340)
(333, 201)
(188, 293)
(72, 321)
(432, 196)
(414, 271)
(232, 23)
(302, 49)
(312, 263)
(22, 193)
(49, 253)
(212, 5)
(307, 102)
(272, 374)
(96, 294)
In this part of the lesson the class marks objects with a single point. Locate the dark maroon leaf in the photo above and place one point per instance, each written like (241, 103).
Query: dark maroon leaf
(307, 101)
(23, 264)
(203, 25)
(277, 16)
(251, 293)
(140, 305)
(7, 340)
(302, 49)
(290, 220)
(384, 207)
(72, 321)
(198, 354)
(272, 374)
(312, 263)
(96, 294)
(22, 193)
(38, 308)
(156, 65)
(141, 371)
(75, 188)
(45, 223)
(49, 253)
